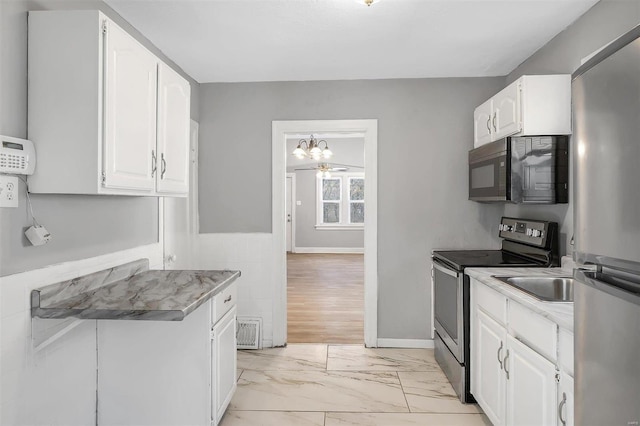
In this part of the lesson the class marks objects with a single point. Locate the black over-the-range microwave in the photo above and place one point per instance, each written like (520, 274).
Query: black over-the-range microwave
(527, 169)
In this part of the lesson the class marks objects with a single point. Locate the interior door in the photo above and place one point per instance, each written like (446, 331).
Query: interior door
(174, 95)
(130, 112)
(180, 227)
(289, 209)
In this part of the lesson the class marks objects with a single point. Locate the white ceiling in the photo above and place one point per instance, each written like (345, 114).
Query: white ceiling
(297, 40)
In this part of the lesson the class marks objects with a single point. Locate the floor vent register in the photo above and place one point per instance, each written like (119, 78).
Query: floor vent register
(248, 332)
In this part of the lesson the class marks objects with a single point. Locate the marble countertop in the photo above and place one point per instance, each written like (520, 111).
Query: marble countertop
(560, 313)
(130, 292)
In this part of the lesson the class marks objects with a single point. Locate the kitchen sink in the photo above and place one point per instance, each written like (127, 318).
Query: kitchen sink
(547, 289)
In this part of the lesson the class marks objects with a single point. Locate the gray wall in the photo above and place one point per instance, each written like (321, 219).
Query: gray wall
(345, 151)
(424, 133)
(82, 226)
(603, 23)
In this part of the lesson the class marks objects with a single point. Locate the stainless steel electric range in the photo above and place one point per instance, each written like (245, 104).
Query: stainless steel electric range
(525, 243)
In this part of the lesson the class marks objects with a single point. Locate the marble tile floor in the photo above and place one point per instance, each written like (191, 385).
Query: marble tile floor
(331, 385)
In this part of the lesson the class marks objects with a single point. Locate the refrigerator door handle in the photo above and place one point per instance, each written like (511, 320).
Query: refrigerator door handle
(613, 285)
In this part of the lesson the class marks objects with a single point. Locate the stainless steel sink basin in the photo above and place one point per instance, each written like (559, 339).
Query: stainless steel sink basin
(548, 289)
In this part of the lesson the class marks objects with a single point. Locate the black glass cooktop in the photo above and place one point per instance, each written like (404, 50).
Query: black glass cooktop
(461, 259)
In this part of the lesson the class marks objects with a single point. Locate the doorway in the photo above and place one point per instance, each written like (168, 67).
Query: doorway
(281, 130)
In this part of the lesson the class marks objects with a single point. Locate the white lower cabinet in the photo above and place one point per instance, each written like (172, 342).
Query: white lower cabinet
(487, 383)
(223, 364)
(531, 386)
(170, 373)
(565, 400)
(514, 383)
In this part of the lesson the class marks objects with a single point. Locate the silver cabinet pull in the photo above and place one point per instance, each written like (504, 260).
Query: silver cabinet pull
(505, 364)
(499, 351)
(228, 299)
(489, 124)
(154, 160)
(562, 404)
(163, 166)
(494, 121)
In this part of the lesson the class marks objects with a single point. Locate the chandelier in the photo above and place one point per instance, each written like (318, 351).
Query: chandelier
(312, 149)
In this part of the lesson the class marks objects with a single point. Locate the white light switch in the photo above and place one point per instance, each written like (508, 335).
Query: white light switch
(8, 191)
(298, 203)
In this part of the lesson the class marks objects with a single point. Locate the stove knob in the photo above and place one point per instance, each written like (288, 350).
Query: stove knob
(529, 232)
(537, 233)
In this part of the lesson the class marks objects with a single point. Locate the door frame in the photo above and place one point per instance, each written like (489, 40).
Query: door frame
(280, 129)
(293, 210)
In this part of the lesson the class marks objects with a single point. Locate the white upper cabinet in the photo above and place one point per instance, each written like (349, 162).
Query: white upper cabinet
(506, 112)
(105, 114)
(530, 106)
(129, 112)
(482, 130)
(173, 131)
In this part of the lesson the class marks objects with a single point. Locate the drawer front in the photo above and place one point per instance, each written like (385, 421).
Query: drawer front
(565, 351)
(533, 329)
(224, 301)
(492, 303)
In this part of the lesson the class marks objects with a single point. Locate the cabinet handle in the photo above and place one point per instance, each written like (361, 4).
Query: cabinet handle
(563, 403)
(494, 121)
(228, 299)
(489, 124)
(154, 160)
(505, 364)
(163, 166)
(500, 350)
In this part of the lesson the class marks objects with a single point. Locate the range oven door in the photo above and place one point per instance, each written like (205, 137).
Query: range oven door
(448, 287)
(489, 172)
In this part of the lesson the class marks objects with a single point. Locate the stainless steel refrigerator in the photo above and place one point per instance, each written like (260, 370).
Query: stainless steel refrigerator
(606, 145)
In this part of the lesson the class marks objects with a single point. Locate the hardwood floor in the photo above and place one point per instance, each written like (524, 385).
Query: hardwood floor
(325, 298)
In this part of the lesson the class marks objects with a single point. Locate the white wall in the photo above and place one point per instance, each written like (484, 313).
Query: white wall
(54, 385)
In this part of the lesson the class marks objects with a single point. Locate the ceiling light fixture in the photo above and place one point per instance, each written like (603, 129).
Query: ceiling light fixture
(312, 149)
(368, 2)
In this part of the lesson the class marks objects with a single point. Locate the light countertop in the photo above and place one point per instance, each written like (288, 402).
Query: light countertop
(130, 292)
(559, 312)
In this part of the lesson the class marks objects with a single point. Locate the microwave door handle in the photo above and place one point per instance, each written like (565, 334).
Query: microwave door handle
(445, 270)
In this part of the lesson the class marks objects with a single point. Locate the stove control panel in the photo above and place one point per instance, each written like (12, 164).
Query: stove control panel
(527, 231)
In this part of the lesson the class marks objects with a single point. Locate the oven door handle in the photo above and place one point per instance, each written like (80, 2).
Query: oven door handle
(440, 267)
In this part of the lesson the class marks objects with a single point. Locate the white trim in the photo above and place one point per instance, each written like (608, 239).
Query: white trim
(331, 250)
(406, 343)
(280, 130)
(294, 197)
(339, 228)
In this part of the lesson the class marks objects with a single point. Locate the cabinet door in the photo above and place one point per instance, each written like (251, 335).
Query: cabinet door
(482, 131)
(129, 111)
(565, 400)
(506, 109)
(531, 386)
(174, 95)
(224, 363)
(490, 349)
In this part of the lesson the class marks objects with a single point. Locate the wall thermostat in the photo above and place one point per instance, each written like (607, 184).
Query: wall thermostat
(17, 156)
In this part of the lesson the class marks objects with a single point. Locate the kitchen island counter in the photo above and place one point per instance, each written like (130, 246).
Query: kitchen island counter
(130, 292)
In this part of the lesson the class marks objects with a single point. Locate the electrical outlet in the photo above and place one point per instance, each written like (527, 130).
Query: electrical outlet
(8, 191)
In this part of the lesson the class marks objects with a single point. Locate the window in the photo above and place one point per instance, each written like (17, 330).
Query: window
(340, 201)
